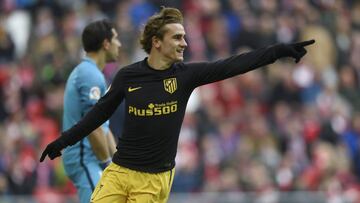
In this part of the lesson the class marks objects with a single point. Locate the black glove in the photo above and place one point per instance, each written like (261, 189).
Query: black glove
(53, 149)
(294, 50)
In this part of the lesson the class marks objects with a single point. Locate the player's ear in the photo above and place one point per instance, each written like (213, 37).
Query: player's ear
(106, 44)
(155, 42)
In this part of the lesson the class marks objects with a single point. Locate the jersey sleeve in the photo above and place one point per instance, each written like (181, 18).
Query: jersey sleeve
(100, 113)
(207, 72)
(91, 88)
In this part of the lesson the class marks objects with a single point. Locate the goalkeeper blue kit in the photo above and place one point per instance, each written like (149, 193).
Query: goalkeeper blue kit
(85, 86)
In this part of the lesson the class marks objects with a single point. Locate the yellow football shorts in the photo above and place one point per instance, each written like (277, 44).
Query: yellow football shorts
(123, 185)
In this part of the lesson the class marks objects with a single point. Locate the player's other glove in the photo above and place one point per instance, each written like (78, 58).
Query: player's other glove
(53, 149)
(294, 50)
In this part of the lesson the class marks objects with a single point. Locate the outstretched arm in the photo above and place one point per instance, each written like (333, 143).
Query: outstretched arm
(208, 72)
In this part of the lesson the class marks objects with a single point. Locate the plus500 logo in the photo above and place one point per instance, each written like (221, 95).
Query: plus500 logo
(154, 109)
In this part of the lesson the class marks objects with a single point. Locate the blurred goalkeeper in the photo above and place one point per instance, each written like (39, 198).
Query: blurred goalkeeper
(156, 91)
(84, 161)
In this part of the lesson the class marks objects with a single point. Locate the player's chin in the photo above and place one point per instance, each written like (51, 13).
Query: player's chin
(113, 58)
(179, 58)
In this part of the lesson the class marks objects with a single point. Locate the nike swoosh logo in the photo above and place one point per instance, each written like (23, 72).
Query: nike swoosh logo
(131, 89)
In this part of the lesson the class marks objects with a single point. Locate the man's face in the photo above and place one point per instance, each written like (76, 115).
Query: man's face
(113, 47)
(173, 44)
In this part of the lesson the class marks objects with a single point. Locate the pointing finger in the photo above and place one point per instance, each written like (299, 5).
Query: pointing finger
(43, 155)
(305, 43)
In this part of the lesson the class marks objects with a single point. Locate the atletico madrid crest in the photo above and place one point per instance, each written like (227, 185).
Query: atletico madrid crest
(170, 85)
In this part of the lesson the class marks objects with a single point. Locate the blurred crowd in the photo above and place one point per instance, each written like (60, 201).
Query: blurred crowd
(285, 127)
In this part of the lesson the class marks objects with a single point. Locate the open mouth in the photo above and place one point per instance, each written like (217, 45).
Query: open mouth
(180, 51)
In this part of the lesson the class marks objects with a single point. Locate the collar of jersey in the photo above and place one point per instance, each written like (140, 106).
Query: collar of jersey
(155, 70)
(89, 60)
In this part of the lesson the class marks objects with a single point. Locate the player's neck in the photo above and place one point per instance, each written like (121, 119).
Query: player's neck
(157, 62)
(97, 58)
